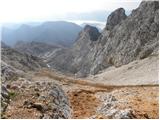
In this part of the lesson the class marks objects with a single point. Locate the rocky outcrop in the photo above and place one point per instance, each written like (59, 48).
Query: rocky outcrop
(124, 40)
(109, 110)
(45, 100)
(8, 73)
(4, 99)
(20, 60)
(93, 32)
(59, 104)
(115, 18)
(135, 37)
(75, 59)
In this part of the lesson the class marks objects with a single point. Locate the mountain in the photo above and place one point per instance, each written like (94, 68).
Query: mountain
(58, 33)
(35, 48)
(20, 61)
(124, 39)
(71, 60)
(120, 64)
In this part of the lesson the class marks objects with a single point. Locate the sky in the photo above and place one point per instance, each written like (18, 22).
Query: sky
(43, 10)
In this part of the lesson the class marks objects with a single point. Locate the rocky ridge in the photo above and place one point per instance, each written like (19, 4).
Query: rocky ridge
(35, 48)
(20, 60)
(124, 39)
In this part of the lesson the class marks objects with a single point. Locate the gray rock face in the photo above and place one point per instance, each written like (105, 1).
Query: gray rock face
(21, 61)
(134, 38)
(7, 72)
(125, 39)
(115, 18)
(75, 59)
(4, 98)
(60, 104)
(110, 110)
(92, 32)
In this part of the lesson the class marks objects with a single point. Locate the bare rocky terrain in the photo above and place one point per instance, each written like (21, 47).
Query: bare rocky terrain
(49, 94)
(138, 72)
(111, 74)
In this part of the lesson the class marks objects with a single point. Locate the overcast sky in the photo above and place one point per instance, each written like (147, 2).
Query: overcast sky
(43, 10)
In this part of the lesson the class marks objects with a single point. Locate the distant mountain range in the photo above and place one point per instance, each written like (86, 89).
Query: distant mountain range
(56, 33)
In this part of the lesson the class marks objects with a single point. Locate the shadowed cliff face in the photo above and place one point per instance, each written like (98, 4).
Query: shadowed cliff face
(92, 32)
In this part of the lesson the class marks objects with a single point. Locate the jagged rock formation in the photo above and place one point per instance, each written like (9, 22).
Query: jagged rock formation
(93, 32)
(135, 37)
(123, 40)
(73, 59)
(115, 18)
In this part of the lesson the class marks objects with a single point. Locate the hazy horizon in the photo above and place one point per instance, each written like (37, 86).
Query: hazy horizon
(19, 11)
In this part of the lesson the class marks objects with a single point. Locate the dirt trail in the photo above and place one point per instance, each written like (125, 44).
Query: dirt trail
(86, 97)
(83, 95)
(84, 82)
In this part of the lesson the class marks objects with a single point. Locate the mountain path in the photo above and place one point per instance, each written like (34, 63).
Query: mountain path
(85, 96)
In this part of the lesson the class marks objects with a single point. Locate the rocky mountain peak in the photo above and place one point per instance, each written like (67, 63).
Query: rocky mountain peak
(115, 18)
(92, 31)
(150, 4)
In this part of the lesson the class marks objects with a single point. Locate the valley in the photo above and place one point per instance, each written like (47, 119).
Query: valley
(58, 70)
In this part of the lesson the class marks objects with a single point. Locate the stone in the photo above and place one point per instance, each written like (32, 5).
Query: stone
(5, 98)
(109, 109)
(124, 114)
(115, 18)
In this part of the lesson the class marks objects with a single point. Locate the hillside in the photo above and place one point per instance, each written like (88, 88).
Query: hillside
(35, 48)
(20, 60)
